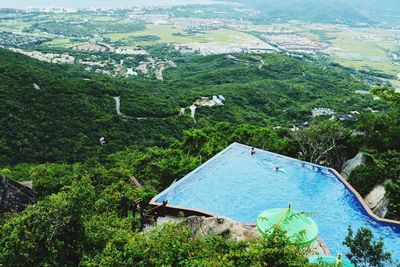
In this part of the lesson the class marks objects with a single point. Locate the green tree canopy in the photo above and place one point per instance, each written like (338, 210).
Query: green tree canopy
(365, 250)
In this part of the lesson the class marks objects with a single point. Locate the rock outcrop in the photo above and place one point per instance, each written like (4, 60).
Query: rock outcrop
(377, 201)
(202, 226)
(359, 160)
(14, 196)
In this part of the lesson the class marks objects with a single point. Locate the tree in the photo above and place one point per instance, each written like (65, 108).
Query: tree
(175, 245)
(51, 233)
(322, 142)
(276, 250)
(392, 193)
(364, 250)
(364, 178)
(388, 93)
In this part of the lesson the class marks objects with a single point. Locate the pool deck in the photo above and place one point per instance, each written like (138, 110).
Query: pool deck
(175, 210)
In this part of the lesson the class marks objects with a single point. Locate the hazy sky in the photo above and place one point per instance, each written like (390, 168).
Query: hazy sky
(93, 3)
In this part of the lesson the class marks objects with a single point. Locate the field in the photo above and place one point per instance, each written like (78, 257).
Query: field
(177, 35)
(360, 48)
(368, 49)
(396, 83)
(60, 42)
(13, 25)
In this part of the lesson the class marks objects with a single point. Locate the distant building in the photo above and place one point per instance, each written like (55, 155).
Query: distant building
(130, 72)
(185, 49)
(217, 100)
(260, 50)
(344, 117)
(316, 112)
(298, 124)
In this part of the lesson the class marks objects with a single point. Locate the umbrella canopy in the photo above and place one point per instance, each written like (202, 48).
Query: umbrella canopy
(300, 228)
(337, 261)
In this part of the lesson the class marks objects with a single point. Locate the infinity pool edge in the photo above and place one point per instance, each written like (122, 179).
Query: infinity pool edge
(176, 210)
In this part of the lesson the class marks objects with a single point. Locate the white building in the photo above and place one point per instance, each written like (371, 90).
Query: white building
(322, 112)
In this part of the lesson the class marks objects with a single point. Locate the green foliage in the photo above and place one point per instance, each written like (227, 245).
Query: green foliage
(388, 93)
(51, 124)
(381, 137)
(101, 236)
(276, 251)
(384, 166)
(19, 172)
(48, 234)
(392, 193)
(173, 245)
(76, 222)
(365, 178)
(80, 225)
(161, 166)
(84, 187)
(208, 141)
(324, 142)
(154, 166)
(100, 229)
(50, 178)
(365, 250)
(381, 131)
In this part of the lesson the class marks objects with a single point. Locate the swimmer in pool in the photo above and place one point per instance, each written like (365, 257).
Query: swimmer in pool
(277, 169)
(252, 151)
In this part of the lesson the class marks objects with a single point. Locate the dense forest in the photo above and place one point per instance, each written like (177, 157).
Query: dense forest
(94, 231)
(50, 134)
(50, 124)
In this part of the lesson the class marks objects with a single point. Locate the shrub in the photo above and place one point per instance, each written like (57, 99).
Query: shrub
(364, 178)
(365, 250)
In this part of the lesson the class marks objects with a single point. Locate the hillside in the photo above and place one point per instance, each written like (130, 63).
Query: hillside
(372, 12)
(88, 211)
(119, 125)
(58, 113)
(64, 119)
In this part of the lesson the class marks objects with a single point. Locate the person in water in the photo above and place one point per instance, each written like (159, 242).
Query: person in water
(277, 169)
(252, 151)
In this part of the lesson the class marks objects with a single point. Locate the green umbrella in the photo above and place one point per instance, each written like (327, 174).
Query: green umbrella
(299, 227)
(337, 261)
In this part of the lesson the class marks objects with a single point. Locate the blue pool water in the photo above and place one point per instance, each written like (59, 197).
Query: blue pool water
(237, 185)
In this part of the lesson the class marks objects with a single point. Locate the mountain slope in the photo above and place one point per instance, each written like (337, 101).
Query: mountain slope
(65, 118)
(329, 11)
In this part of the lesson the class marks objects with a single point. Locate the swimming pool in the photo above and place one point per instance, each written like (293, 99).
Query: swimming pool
(237, 185)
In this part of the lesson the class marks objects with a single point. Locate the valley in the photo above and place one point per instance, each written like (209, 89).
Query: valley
(127, 133)
(372, 50)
